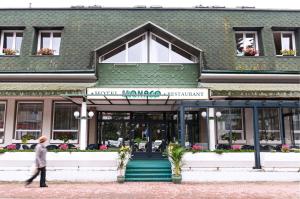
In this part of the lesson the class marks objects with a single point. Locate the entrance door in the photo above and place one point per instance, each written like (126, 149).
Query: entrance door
(148, 133)
(148, 137)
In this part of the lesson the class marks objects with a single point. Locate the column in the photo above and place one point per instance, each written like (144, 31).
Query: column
(83, 126)
(211, 129)
(47, 119)
(9, 121)
(281, 126)
(182, 126)
(256, 139)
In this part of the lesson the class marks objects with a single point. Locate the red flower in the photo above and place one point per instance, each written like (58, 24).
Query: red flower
(103, 147)
(197, 147)
(236, 147)
(250, 51)
(63, 147)
(12, 147)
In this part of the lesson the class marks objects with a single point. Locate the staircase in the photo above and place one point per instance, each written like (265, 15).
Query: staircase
(158, 170)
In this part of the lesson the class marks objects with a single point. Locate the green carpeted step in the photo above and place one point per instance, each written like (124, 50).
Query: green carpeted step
(148, 179)
(148, 175)
(151, 170)
(148, 170)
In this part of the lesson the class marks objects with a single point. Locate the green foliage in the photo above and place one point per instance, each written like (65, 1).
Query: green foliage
(218, 151)
(64, 138)
(138, 140)
(27, 137)
(176, 153)
(288, 52)
(226, 136)
(59, 150)
(124, 155)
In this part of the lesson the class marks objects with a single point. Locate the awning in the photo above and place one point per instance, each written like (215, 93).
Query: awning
(139, 96)
(43, 89)
(252, 90)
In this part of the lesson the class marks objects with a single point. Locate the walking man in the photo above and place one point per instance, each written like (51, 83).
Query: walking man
(40, 161)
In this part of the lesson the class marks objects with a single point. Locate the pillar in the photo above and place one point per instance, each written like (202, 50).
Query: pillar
(83, 126)
(281, 126)
(256, 139)
(47, 119)
(182, 126)
(211, 129)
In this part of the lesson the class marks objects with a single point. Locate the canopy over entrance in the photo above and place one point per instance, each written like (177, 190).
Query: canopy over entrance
(139, 96)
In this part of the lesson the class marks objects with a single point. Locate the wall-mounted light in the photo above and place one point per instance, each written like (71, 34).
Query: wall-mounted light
(77, 115)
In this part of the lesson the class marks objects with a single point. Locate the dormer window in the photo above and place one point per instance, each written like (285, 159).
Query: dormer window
(246, 43)
(148, 48)
(285, 43)
(11, 41)
(49, 42)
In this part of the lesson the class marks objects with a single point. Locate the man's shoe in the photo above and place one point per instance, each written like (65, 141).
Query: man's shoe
(27, 183)
(44, 185)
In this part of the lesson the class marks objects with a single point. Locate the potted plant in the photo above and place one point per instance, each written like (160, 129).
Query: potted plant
(25, 139)
(226, 136)
(8, 51)
(176, 153)
(287, 52)
(124, 155)
(45, 51)
(250, 51)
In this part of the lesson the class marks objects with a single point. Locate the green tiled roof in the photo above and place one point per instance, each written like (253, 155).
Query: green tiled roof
(148, 75)
(252, 90)
(86, 29)
(42, 89)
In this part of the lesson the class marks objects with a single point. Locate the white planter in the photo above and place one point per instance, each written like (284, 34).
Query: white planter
(213, 160)
(63, 166)
(61, 159)
(240, 160)
(280, 160)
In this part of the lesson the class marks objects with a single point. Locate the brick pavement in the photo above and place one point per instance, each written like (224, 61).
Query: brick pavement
(287, 190)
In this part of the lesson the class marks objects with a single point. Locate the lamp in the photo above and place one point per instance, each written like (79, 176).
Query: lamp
(90, 115)
(204, 114)
(76, 114)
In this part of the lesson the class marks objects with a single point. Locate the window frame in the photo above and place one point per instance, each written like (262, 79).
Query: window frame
(244, 36)
(16, 120)
(148, 36)
(14, 40)
(240, 131)
(53, 130)
(51, 39)
(126, 49)
(277, 131)
(293, 40)
(4, 121)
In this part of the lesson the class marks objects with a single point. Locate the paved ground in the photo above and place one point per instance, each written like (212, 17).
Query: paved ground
(286, 190)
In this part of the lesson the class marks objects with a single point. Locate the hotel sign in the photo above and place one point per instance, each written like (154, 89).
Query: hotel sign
(150, 93)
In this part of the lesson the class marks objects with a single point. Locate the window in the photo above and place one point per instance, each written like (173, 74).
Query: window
(285, 43)
(269, 124)
(138, 51)
(11, 41)
(246, 43)
(231, 124)
(65, 125)
(2, 120)
(134, 51)
(49, 40)
(29, 119)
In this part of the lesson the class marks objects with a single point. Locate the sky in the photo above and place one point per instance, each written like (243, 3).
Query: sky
(277, 4)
